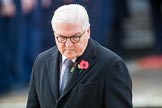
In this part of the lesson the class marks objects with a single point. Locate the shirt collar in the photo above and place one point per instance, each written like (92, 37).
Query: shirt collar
(64, 58)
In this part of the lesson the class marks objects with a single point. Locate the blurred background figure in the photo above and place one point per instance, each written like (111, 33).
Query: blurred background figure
(47, 8)
(8, 29)
(30, 39)
(101, 13)
(115, 39)
(154, 61)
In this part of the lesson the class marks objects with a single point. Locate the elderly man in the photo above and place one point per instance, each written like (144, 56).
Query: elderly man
(78, 72)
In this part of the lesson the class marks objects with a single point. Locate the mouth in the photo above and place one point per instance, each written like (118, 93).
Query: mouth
(69, 51)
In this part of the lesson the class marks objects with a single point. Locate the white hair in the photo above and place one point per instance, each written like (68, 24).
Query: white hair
(71, 14)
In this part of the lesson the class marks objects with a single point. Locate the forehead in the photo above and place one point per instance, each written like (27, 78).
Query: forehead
(66, 28)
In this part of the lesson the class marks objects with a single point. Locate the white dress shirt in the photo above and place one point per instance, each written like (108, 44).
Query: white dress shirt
(62, 68)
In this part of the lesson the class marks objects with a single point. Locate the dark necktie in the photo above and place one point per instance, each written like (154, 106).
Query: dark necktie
(66, 75)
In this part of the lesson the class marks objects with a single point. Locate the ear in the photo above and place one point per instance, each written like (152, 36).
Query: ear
(88, 32)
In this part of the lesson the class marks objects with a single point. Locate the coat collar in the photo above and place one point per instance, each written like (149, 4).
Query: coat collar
(54, 69)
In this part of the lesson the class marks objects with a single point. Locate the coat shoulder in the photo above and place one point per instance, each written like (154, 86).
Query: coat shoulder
(106, 54)
(45, 55)
(48, 53)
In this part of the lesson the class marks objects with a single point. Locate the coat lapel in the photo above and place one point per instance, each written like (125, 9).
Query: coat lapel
(53, 73)
(88, 56)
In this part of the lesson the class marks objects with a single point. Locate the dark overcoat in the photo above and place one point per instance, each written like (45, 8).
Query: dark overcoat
(106, 82)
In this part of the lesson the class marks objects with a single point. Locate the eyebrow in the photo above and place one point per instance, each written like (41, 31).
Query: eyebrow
(70, 36)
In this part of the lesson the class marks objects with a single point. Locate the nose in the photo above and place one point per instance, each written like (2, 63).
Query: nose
(68, 43)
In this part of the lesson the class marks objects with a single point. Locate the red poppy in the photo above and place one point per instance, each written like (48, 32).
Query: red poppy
(84, 64)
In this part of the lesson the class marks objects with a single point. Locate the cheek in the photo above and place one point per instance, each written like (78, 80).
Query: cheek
(60, 47)
(79, 49)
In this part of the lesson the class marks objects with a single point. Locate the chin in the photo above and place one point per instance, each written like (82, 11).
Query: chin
(69, 56)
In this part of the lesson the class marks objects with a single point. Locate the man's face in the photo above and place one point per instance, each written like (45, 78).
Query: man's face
(70, 49)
